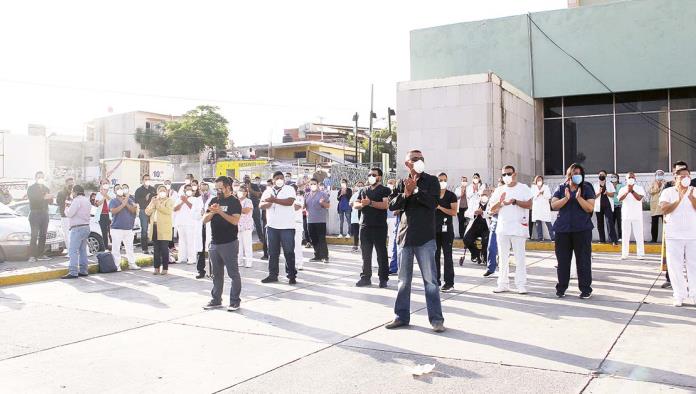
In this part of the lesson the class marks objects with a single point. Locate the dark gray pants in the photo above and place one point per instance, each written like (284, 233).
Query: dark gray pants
(225, 256)
(38, 222)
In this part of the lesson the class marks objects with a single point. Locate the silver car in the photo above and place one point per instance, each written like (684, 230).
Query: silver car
(15, 234)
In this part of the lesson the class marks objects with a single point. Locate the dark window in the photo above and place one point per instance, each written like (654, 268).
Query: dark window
(553, 147)
(594, 104)
(683, 98)
(590, 142)
(147, 125)
(552, 107)
(684, 136)
(650, 100)
(301, 155)
(641, 142)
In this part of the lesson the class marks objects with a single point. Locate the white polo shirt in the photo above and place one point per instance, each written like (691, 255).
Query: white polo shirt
(278, 216)
(512, 219)
(680, 223)
(632, 209)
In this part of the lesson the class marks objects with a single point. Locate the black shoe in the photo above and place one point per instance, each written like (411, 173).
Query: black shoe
(355, 249)
(81, 274)
(233, 307)
(213, 305)
(200, 275)
(666, 285)
(292, 281)
(439, 327)
(487, 274)
(393, 272)
(363, 282)
(585, 296)
(264, 257)
(383, 284)
(68, 276)
(314, 260)
(325, 261)
(146, 252)
(560, 294)
(269, 279)
(396, 323)
(447, 288)
(461, 261)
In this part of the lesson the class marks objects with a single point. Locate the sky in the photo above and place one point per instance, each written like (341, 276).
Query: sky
(268, 65)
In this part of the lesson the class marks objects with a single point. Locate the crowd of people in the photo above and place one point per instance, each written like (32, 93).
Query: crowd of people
(411, 218)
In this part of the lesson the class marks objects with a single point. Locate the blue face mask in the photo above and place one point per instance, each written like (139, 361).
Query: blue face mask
(577, 179)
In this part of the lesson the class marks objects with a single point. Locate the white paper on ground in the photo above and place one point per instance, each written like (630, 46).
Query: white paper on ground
(420, 369)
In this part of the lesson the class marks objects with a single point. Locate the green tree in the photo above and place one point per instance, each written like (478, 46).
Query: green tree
(197, 129)
(381, 143)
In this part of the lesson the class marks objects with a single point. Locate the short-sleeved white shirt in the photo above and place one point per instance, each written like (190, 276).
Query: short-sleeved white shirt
(279, 216)
(680, 223)
(299, 202)
(512, 219)
(632, 209)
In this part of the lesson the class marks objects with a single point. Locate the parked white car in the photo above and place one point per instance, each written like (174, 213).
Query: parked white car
(15, 234)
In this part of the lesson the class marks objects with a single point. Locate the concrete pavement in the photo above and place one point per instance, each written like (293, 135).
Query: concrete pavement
(135, 332)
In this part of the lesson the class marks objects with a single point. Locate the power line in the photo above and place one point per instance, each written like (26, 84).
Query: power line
(683, 138)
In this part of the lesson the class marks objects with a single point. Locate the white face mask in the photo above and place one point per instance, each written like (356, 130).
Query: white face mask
(313, 187)
(235, 188)
(148, 183)
(119, 192)
(630, 181)
(484, 200)
(686, 181)
(371, 180)
(540, 183)
(240, 194)
(162, 194)
(443, 185)
(279, 182)
(41, 181)
(476, 181)
(390, 186)
(343, 185)
(105, 187)
(419, 166)
(507, 179)
(194, 188)
(168, 187)
(125, 191)
(189, 193)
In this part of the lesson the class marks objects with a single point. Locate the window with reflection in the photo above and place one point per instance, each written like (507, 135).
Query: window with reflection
(590, 142)
(683, 98)
(594, 104)
(552, 107)
(553, 147)
(642, 142)
(683, 124)
(646, 101)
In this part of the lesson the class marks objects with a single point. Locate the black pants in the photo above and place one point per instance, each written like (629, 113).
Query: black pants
(200, 265)
(606, 212)
(260, 229)
(581, 244)
(355, 232)
(654, 227)
(317, 233)
(305, 230)
(160, 252)
(529, 217)
(463, 222)
(105, 225)
(38, 222)
(617, 220)
(374, 237)
(444, 244)
(478, 229)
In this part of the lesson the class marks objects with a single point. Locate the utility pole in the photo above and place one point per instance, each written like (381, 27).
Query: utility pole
(390, 113)
(372, 116)
(355, 119)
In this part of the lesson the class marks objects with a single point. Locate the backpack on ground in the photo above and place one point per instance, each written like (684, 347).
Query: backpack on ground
(105, 261)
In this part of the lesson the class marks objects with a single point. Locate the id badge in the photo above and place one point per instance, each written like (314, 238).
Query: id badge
(444, 228)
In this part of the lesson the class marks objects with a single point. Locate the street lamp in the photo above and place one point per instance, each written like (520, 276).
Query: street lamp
(372, 116)
(390, 113)
(355, 119)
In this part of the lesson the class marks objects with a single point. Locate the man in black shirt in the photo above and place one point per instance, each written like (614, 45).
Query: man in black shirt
(39, 197)
(143, 196)
(444, 231)
(373, 202)
(223, 214)
(416, 197)
(255, 196)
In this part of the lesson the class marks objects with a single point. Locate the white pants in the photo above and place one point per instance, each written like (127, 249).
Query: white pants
(187, 243)
(518, 244)
(245, 247)
(391, 223)
(637, 227)
(65, 225)
(299, 257)
(681, 254)
(125, 236)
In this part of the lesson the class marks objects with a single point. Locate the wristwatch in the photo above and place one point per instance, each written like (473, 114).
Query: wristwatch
(415, 190)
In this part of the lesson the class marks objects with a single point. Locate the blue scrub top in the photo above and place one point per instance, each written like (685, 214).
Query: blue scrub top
(572, 218)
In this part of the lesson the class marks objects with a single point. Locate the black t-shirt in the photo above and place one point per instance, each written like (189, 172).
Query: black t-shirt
(60, 200)
(254, 199)
(446, 202)
(224, 231)
(374, 217)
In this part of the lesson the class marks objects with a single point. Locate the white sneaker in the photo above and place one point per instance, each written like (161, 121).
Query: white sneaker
(640, 257)
(133, 267)
(190, 263)
(677, 302)
(521, 290)
(624, 257)
(501, 289)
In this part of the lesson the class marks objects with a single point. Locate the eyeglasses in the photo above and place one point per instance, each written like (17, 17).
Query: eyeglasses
(374, 175)
(415, 159)
(508, 173)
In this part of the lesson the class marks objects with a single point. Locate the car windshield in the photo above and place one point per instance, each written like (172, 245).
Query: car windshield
(5, 210)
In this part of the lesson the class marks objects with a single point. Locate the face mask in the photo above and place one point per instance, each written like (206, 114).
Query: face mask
(390, 186)
(279, 182)
(168, 187)
(614, 179)
(484, 200)
(371, 180)
(235, 188)
(507, 179)
(476, 181)
(125, 191)
(148, 183)
(660, 177)
(419, 166)
(540, 183)
(343, 185)
(240, 194)
(105, 187)
(162, 194)
(577, 179)
(313, 187)
(443, 185)
(194, 188)
(41, 181)
(602, 177)
(119, 193)
(686, 181)
(189, 193)
(187, 181)
(631, 182)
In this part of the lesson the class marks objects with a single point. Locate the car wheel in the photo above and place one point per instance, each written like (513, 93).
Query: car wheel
(95, 243)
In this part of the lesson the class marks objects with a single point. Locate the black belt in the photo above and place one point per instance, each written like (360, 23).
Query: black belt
(79, 225)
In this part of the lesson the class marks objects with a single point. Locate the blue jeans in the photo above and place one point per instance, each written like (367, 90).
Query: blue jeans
(425, 255)
(394, 264)
(540, 230)
(144, 223)
(276, 239)
(492, 251)
(344, 217)
(78, 250)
